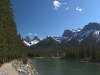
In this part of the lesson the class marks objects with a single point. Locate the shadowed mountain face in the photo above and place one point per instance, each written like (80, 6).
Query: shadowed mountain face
(68, 33)
(91, 26)
(36, 38)
(71, 33)
(98, 43)
(71, 42)
(49, 41)
(90, 40)
(27, 39)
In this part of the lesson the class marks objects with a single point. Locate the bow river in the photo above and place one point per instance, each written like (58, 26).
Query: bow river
(56, 66)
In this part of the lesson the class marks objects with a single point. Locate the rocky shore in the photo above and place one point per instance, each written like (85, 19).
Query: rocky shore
(25, 69)
(17, 67)
(3, 73)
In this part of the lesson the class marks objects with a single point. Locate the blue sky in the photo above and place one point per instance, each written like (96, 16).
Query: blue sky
(52, 17)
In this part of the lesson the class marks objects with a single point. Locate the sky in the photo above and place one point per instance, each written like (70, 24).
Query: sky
(51, 17)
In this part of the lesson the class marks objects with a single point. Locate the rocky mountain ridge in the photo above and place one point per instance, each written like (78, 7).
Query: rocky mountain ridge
(90, 34)
(29, 42)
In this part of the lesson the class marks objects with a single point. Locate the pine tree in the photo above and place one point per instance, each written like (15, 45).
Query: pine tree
(93, 53)
(88, 53)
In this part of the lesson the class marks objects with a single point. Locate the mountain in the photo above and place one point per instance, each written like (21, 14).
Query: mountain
(74, 42)
(88, 29)
(89, 35)
(71, 33)
(70, 42)
(37, 38)
(28, 42)
(48, 41)
(91, 26)
(91, 39)
(98, 43)
(68, 33)
(27, 39)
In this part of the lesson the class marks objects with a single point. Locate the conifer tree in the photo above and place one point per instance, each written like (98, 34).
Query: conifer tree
(93, 53)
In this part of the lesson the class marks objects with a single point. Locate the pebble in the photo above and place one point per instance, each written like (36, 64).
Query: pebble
(3, 73)
(24, 69)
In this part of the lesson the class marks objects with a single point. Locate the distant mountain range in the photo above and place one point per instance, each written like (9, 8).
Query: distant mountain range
(89, 35)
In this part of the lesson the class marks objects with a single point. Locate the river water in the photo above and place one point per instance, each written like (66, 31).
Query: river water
(56, 66)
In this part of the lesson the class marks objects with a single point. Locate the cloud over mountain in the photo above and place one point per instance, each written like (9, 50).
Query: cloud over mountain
(29, 33)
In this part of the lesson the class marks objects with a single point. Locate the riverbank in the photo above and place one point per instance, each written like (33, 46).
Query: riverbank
(16, 67)
(46, 57)
(82, 60)
(25, 69)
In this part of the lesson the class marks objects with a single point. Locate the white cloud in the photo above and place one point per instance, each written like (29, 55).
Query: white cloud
(67, 8)
(56, 4)
(79, 9)
(64, 3)
(35, 34)
(29, 33)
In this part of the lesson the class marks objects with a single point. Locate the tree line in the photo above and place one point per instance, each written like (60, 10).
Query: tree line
(88, 53)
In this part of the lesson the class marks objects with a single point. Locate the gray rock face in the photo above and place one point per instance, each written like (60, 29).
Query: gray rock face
(27, 39)
(48, 41)
(83, 33)
(91, 26)
(91, 39)
(36, 38)
(92, 29)
(90, 34)
(68, 33)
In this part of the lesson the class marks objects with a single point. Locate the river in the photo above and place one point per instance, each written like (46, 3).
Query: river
(56, 66)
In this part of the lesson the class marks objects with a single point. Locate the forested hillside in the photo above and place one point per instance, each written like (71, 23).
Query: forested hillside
(11, 45)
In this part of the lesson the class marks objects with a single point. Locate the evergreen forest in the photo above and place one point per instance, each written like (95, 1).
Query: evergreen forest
(11, 45)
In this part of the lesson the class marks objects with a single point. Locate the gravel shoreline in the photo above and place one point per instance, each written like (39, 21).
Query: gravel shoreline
(25, 69)
(16, 67)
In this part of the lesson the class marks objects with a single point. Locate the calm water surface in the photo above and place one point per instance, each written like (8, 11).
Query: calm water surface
(55, 66)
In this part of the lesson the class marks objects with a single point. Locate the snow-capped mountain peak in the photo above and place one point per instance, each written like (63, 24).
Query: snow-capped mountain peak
(76, 30)
(27, 41)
